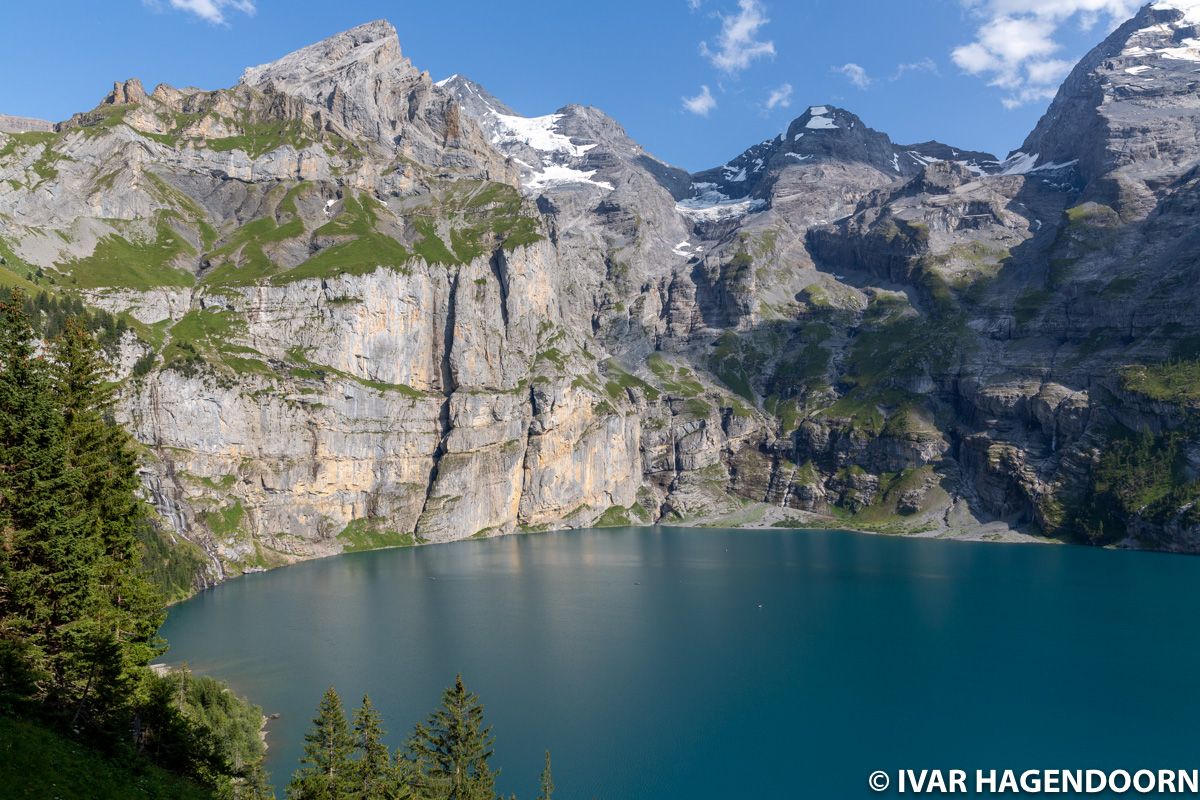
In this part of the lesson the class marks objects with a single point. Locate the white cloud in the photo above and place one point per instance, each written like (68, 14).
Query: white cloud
(1015, 44)
(738, 44)
(924, 65)
(780, 97)
(1029, 94)
(1049, 72)
(855, 74)
(209, 10)
(694, 5)
(702, 103)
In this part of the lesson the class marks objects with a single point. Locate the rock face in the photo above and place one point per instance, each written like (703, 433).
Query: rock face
(367, 309)
(1128, 114)
(23, 124)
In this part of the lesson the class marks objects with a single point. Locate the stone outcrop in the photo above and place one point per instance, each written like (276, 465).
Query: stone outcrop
(9, 124)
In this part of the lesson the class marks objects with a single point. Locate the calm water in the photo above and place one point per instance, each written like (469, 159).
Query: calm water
(660, 663)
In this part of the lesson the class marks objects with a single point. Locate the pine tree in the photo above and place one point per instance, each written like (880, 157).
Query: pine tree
(104, 494)
(256, 785)
(50, 555)
(78, 618)
(328, 771)
(452, 748)
(547, 782)
(402, 779)
(373, 767)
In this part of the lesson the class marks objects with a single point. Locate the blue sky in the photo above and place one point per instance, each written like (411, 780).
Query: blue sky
(973, 73)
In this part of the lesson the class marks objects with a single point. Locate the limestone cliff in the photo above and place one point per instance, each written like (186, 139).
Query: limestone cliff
(366, 309)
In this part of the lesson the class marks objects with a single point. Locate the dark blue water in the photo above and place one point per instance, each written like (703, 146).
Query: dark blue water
(668, 663)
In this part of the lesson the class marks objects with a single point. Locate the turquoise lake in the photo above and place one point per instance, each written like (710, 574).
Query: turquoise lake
(704, 663)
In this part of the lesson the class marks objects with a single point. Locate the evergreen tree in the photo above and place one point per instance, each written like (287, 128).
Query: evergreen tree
(50, 557)
(104, 493)
(328, 771)
(403, 779)
(373, 768)
(78, 618)
(452, 748)
(255, 785)
(547, 782)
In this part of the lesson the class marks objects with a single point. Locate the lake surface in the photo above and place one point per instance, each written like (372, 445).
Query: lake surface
(675, 663)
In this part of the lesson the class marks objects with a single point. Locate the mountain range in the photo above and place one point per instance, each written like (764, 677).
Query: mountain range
(362, 309)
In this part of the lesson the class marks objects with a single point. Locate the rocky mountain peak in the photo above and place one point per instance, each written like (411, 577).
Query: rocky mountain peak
(130, 92)
(367, 86)
(359, 75)
(1129, 112)
(824, 118)
(822, 134)
(373, 47)
(925, 153)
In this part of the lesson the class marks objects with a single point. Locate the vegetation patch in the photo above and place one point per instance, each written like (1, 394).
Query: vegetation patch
(259, 138)
(675, 381)
(619, 381)
(367, 534)
(308, 369)
(171, 562)
(886, 359)
(36, 762)
(614, 517)
(1169, 382)
(225, 521)
(118, 262)
(1137, 474)
(481, 216)
(19, 141)
(734, 362)
(184, 206)
(206, 336)
(243, 261)
(1030, 304)
(358, 257)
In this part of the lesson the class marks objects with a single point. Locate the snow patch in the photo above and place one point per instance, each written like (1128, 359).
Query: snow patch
(1018, 164)
(558, 175)
(921, 158)
(797, 156)
(1024, 164)
(1191, 10)
(541, 134)
(538, 133)
(1052, 167)
(712, 206)
(816, 111)
(1139, 69)
(444, 81)
(1188, 50)
(821, 124)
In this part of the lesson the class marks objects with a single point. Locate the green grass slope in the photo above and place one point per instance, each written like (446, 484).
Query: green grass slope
(38, 764)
